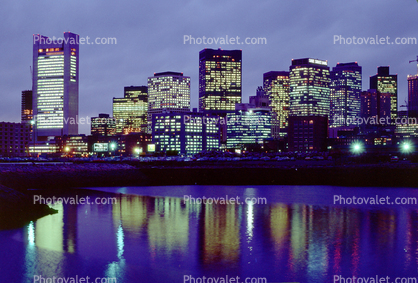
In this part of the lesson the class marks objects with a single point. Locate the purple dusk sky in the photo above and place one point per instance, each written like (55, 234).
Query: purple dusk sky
(150, 39)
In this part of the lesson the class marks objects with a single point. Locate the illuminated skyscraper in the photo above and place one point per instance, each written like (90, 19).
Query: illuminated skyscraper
(383, 82)
(104, 125)
(276, 86)
(130, 112)
(413, 96)
(219, 79)
(55, 86)
(309, 88)
(309, 105)
(345, 94)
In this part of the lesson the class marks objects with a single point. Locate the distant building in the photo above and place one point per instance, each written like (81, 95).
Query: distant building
(346, 86)
(413, 96)
(104, 125)
(260, 99)
(277, 88)
(55, 86)
(168, 91)
(27, 107)
(219, 79)
(375, 107)
(185, 133)
(74, 145)
(383, 82)
(309, 105)
(14, 139)
(308, 133)
(130, 111)
(248, 126)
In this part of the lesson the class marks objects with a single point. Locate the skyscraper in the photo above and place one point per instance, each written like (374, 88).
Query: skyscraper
(219, 79)
(167, 91)
(309, 87)
(413, 96)
(27, 107)
(383, 82)
(55, 85)
(345, 94)
(276, 86)
(130, 112)
(309, 104)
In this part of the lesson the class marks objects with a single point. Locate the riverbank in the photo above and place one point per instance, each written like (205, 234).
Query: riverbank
(67, 176)
(17, 209)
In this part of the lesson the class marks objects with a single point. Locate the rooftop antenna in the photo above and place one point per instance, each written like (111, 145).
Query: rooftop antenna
(415, 61)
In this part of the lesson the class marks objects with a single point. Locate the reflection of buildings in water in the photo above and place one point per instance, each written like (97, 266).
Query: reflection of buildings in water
(70, 228)
(298, 238)
(117, 269)
(221, 234)
(168, 227)
(279, 229)
(48, 239)
(336, 235)
(132, 211)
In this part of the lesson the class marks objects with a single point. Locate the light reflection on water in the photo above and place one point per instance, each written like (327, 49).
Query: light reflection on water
(161, 239)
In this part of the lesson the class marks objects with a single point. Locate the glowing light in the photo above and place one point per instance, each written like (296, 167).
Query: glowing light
(357, 147)
(406, 147)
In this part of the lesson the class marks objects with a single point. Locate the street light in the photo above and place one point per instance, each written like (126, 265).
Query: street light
(357, 148)
(406, 147)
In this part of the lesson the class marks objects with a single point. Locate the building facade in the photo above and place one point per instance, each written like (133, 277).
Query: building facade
(250, 126)
(384, 82)
(14, 139)
(27, 107)
(309, 105)
(104, 125)
(168, 91)
(277, 88)
(185, 133)
(55, 86)
(130, 112)
(413, 96)
(220, 77)
(346, 86)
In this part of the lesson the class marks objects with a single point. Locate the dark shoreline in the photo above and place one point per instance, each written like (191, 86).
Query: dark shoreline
(65, 177)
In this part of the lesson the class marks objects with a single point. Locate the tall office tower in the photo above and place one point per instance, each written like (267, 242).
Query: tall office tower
(219, 79)
(27, 108)
(309, 88)
(130, 112)
(413, 96)
(345, 94)
(383, 82)
(309, 98)
(276, 86)
(55, 86)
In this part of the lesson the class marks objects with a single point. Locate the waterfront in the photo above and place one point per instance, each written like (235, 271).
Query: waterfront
(152, 235)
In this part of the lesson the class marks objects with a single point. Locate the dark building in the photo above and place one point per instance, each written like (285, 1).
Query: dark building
(383, 82)
(308, 133)
(219, 79)
(14, 139)
(27, 109)
(345, 94)
(104, 125)
(413, 96)
(375, 107)
(277, 88)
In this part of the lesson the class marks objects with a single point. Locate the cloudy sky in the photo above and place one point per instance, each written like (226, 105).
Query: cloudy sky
(150, 38)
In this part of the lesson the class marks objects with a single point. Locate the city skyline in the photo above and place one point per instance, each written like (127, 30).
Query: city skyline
(140, 51)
